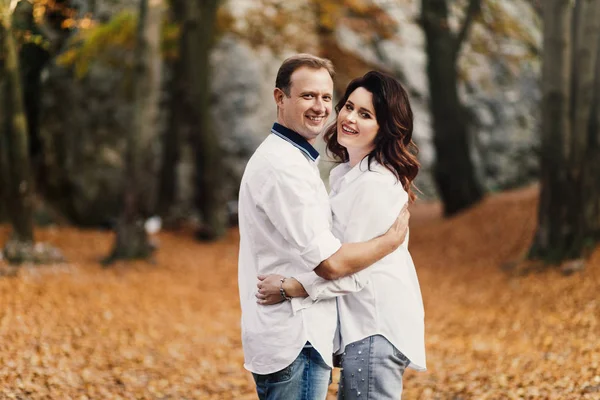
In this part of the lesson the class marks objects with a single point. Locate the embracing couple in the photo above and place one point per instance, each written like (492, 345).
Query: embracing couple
(324, 277)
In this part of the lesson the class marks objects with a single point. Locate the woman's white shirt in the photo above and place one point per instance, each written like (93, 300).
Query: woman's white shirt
(384, 299)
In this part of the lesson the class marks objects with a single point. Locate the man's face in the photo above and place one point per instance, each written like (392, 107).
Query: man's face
(309, 105)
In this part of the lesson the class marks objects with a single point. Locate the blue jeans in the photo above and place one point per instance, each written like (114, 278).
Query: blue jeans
(307, 378)
(372, 368)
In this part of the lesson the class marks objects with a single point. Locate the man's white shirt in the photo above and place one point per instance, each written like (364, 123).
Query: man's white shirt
(285, 228)
(384, 299)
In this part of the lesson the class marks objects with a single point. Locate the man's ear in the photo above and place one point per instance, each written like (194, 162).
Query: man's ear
(278, 96)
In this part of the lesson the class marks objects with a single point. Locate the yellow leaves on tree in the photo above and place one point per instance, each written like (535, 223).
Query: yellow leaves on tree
(505, 25)
(274, 24)
(95, 44)
(369, 17)
(502, 34)
(279, 24)
(107, 43)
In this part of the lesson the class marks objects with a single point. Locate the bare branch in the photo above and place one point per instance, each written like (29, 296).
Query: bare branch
(473, 10)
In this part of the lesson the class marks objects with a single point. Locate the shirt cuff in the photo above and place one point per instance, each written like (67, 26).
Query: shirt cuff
(300, 303)
(321, 248)
(310, 281)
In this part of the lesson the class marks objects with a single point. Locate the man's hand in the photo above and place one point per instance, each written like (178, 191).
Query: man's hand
(397, 233)
(268, 289)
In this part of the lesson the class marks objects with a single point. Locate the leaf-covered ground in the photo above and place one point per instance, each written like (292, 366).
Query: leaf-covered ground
(171, 330)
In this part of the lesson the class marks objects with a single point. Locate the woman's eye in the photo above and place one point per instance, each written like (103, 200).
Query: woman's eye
(348, 107)
(365, 115)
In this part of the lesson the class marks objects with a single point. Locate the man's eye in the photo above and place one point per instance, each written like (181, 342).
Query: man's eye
(327, 98)
(308, 96)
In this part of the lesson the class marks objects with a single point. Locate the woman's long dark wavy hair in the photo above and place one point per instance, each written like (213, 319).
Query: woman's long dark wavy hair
(394, 147)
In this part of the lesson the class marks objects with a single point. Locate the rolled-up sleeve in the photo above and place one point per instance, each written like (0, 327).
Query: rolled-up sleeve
(293, 206)
(320, 289)
(321, 248)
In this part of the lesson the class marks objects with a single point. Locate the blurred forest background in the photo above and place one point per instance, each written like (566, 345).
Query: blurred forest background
(132, 116)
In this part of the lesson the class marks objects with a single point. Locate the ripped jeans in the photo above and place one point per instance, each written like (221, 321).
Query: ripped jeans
(372, 368)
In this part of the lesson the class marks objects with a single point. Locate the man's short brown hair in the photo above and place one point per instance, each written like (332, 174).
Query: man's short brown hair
(291, 64)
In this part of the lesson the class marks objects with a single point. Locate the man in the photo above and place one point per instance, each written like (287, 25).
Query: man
(284, 220)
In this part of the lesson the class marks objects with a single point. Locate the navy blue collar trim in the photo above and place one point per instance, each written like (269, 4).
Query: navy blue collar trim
(295, 139)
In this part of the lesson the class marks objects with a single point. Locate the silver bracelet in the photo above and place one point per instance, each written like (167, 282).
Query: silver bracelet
(282, 292)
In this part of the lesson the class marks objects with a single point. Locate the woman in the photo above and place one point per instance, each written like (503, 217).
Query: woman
(380, 308)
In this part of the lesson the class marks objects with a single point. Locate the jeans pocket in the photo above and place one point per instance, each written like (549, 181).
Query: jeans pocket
(281, 376)
(403, 360)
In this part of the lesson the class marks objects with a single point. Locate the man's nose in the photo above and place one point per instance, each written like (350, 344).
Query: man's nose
(319, 105)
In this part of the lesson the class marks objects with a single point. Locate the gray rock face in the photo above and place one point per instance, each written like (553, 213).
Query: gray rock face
(84, 122)
(84, 163)
(243, 107)
(502, 92)
(104, 9)
(500, 89)
(82, 132)
(507, 142)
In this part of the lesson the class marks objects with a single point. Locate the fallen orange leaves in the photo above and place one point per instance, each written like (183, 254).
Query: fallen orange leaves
(171, 330)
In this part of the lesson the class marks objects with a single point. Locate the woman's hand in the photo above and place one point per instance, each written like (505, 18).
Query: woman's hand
(397, 233)
(268, 289)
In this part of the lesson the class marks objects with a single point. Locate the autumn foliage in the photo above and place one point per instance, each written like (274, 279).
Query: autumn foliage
(171, 329)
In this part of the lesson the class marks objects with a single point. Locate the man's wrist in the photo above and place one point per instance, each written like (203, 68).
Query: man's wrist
(292, 287)
(282, 290)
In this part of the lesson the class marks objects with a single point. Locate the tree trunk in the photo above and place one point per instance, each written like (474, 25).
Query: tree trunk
(569, 213)
(32, 59)
(20, 197)
(131, 238)
(590, 214)
(171, 137)
(556, 78)
(584, 160)
(4, 169)
(454, 172)
(587, 34)
(201, 22)
(171, 141)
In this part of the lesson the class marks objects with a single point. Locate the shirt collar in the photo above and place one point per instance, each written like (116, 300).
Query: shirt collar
(358, 170)
(363, 166)
(296, 140)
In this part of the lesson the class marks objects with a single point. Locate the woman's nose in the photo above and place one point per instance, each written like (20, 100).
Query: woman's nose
(351, 116)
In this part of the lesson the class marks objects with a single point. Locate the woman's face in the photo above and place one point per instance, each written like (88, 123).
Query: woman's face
(357, 124)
